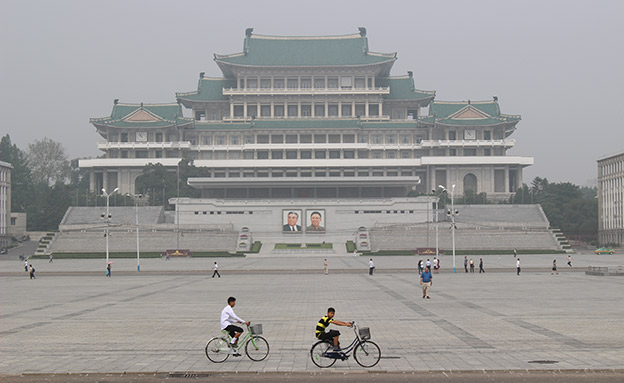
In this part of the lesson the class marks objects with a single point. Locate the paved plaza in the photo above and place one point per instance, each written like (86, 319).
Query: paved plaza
(72, 319)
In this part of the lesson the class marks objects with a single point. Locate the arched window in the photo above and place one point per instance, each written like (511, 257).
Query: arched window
(470, 183)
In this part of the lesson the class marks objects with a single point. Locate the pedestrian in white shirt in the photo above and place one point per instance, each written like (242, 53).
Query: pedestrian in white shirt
(371, 267)
(228, 318)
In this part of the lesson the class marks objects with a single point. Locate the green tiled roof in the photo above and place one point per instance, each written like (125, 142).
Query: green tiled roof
(481, 113)
(402, 88)
(261, 50)
(208, 89)
(143, 116)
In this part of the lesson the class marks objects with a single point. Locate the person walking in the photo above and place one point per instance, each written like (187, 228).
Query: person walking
(481, 270)
(216, 270)
(569, 261)
(325, 267)
(32, 272)
(420, 266)
(466, 263)
(518, 266)
(428, 264)
(471, 265)
(554, 267)
(26, 264)
(371, 267)
(515, 253)
(108, 269)
(50, 261)
(426, 280)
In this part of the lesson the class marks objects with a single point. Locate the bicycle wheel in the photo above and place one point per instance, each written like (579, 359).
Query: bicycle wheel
(257, 348)
(367, 354)
(317, 353)
(217, 350)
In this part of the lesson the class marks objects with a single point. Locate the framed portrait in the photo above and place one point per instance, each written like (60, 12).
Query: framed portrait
(292, 221)
(315, 219)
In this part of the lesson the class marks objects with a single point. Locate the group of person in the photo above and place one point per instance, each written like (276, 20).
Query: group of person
(471, 263)
(28, 267)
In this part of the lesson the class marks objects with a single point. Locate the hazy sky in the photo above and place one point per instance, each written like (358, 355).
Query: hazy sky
(559, 64)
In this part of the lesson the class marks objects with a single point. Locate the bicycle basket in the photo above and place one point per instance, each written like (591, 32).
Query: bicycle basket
(256, 329)
(365, 333)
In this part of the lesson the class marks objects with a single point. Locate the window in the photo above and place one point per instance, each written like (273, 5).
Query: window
(213, 116)
(265, 110)
(206, 140)
(140, 154)
(265, 83)
(346, 82)
(452, 135)
(277, 139)
(278, 83)
(405, 139)
(200, 115)
(305, 139)
(487, 135)
(306, 154)
(263, 138)
(159, 137)
(277, 154)
(391, 154)
(235, 140)
(263, 155)
(334, 154)
(332, 110)
(124, 154)
(306, 110)
(452, 152)
(470, 152)
(252, 83)
(348, 138)
(291, 154)
(306, 83)
(405, 154)
(248, 155)
(124, 137)
(320, 138)
(373, 110)
(158, 154)
(319, 110)
(332, 82)
(220, 140)
(278, 110)
(293, 111)
(362, 153)
(487, 152)
(319, 154)
(293, 83)
(235, 155)
(346, 110)
(319, 82)
(362, 138)
(360, 110)
(360, 82)
(306, 173)
(238, 111)
(398, 115)
(349, 154)
(249, 139)
(390, 139)
(376, 139)
(221, 155)
(291, 138)
(319, 173)
(334, 138)
(376, 154)
(362, 173)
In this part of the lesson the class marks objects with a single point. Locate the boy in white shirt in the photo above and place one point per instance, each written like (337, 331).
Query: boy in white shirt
(228, 318)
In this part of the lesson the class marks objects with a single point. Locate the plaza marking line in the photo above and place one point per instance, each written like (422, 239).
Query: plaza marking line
(447, 326)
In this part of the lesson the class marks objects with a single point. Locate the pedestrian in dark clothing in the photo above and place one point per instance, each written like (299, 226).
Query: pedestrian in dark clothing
(216, 270)
(554, 267)
(426, 280)
(108, 270)
(569, 261)
(518, 267)
(32, 272)
(481, 270)
(466, 263)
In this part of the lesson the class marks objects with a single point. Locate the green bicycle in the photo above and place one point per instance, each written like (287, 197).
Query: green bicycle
(218, 349)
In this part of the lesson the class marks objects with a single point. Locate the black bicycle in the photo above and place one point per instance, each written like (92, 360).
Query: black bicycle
(366, 353)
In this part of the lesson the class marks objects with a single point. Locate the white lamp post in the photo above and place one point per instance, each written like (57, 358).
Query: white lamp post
(107, 216)
(452, 213)
(136, 206)
(435, 207)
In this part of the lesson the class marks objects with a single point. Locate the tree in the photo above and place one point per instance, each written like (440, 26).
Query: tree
(48, 162)
(21, 180)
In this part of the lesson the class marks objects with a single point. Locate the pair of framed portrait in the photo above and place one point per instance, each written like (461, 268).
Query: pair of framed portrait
(308, 221)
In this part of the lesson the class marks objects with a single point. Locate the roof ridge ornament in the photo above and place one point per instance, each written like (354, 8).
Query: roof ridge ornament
(362, 31)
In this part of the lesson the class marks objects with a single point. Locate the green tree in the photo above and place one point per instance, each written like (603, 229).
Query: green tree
(22, 191)
(48, 162)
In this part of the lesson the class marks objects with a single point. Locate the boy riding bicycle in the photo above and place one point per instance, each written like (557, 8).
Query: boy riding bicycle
(331, 334)
(228, 318)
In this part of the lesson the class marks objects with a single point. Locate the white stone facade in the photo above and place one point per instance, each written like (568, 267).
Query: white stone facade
(611, 199)
(5, 203)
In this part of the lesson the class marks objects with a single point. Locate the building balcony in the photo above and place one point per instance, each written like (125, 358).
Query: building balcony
(292, 118)
(468, 143)
(104, 145)
(305, 91)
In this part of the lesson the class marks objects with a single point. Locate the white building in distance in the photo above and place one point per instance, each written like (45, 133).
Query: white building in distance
(611, 199)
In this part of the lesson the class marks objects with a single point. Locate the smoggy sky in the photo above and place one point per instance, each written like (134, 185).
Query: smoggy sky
(559, 64)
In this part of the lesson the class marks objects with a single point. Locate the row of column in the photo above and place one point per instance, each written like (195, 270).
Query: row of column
(312, 107)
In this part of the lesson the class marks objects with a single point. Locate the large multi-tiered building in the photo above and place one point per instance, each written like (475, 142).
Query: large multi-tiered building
(312, 117)
(611, 199)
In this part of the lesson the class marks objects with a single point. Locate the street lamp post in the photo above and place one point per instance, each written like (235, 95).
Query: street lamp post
(453, 213)
(436, 205)
(136, 206)
(107, 216)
